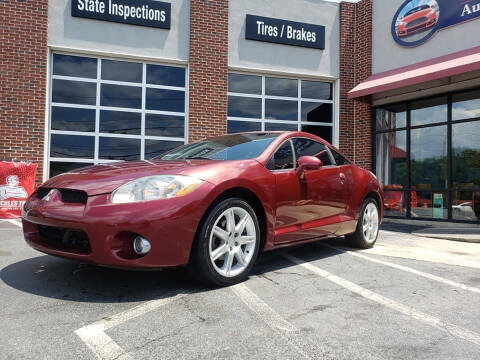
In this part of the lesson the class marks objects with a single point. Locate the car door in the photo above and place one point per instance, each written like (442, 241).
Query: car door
(326, 188)
(301, 205)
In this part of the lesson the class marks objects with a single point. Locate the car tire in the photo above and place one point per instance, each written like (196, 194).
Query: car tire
(366, 233)
(227, 244)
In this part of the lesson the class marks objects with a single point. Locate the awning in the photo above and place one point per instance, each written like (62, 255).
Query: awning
(441, 67)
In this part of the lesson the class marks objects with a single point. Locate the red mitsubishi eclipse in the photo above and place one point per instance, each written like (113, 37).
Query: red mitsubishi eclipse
(417, 19)
(212, 205)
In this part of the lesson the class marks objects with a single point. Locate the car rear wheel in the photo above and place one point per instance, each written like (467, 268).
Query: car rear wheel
(227, 244)
(368, 226)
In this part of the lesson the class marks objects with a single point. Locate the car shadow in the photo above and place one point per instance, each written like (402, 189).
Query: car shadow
(58, 278)
(53, 277)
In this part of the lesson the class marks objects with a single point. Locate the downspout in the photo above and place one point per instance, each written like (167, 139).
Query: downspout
(354, 84)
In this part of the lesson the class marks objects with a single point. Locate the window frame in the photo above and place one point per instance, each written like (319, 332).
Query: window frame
(329, 153)
(98, 108)
(299, 99)
(273, 155)
(449, 189)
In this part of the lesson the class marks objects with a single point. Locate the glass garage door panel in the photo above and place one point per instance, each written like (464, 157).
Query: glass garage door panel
(120, 122)
(77, 66)
(281, 87)
(244, 107)
(245, 84)
(165, 75)
(107, 110)
(121, 96)
(317, 112)
(164, 125)
(72, 146)
(234, 126)
(74, 92)
(281, 109)
(325, 132)
(155, 147)
(71, 119)
(317, 90)
(60, 167)
(166, 100)
(280, 127)
(116, 148)
(121, 71)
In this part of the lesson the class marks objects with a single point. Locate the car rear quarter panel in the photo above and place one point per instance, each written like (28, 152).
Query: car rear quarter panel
(364, 183)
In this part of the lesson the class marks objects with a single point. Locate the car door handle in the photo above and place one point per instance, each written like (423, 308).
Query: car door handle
(342, 178)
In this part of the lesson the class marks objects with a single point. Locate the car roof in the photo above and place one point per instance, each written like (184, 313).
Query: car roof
(284, 135)
(288, 134)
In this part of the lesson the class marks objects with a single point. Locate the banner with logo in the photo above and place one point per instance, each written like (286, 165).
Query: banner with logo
(17, 181)
(416, 21)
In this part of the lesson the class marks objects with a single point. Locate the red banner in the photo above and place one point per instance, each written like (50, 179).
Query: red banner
(17, 181)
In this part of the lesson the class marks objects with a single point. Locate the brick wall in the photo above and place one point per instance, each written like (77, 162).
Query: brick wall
(208, 68)
(23, 78)
(355, 67)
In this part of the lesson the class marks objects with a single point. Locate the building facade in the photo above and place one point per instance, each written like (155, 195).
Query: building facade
(95, 81)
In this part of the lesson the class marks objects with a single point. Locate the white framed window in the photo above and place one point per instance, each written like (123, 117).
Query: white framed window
(105, 110)
(269, 103)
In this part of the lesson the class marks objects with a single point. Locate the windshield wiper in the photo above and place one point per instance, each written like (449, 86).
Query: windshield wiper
(197, 158)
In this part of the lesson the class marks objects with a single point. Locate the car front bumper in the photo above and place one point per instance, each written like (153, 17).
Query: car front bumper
(109, 229)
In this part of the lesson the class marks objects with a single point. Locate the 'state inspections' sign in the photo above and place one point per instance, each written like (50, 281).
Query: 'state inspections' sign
(143, 12)
(285, 32)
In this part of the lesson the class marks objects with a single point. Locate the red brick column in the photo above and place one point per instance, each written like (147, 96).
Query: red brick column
(208, 68)
(355, 67)
(23, 79)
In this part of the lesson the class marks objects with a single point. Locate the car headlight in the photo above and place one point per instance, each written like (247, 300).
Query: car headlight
(154, 188)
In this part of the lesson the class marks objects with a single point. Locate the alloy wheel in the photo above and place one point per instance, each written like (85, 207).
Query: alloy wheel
(232, 241)
(370, 223)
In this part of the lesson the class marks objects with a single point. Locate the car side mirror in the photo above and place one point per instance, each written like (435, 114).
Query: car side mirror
(307, 163)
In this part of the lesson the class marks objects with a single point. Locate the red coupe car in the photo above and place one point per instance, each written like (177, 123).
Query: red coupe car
(417, 19)
(212, 205)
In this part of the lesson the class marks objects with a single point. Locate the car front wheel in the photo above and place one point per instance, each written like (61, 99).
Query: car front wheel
(368, 225)
(227, 244)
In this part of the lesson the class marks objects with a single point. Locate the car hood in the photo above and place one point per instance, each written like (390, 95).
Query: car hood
(416, 15)
(105, 178)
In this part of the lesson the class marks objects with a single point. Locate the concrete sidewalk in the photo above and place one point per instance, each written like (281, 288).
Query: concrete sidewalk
(446, 231)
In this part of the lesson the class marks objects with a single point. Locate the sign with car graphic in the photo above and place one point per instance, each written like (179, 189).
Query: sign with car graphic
(416, 21)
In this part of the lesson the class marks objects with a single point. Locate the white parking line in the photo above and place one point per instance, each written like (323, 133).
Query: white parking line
(406, 310)
(101, 344)
(407, 269)
(284, 329)
(263, 311)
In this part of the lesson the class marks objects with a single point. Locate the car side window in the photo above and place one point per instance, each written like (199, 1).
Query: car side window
(282, 159)
(339, 159)
(308, 147)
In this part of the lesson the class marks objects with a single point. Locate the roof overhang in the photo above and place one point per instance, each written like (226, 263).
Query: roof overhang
(425, 71)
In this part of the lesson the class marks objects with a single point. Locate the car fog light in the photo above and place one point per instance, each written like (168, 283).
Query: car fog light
(141, 246)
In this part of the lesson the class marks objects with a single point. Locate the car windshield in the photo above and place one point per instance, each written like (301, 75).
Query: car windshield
(417, 9)
(228, 147)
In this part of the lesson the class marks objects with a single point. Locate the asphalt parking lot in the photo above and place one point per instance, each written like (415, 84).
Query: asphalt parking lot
(408, 298)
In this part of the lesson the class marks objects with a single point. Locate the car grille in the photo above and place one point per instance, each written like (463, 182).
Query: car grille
(417, 22)
(70, 240)
(68, 196)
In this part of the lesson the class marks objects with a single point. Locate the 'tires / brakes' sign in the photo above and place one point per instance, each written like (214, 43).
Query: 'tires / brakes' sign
(285, 32)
